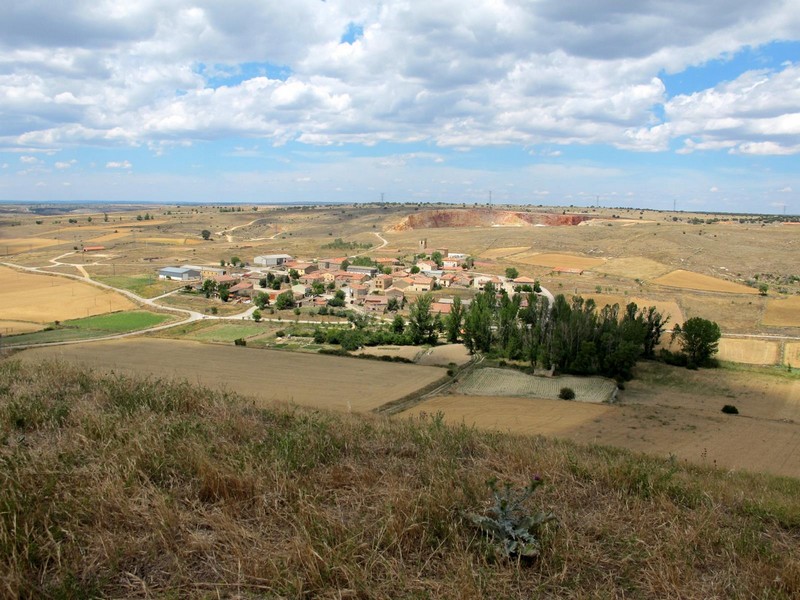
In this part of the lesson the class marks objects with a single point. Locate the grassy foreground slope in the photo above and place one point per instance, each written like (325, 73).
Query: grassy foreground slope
(111, 486)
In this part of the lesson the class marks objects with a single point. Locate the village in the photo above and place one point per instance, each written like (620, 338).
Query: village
(374, 286)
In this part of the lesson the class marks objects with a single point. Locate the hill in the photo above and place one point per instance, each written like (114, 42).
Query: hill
(124, 487)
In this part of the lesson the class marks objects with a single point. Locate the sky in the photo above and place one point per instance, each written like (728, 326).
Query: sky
(618, 103)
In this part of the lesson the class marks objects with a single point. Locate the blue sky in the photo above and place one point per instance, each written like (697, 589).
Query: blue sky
(619, 103)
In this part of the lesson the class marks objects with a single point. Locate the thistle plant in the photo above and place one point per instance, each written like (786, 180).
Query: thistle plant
(508, 522)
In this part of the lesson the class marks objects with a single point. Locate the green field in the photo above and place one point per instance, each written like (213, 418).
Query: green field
(224, 332)
(146, 286)
(91, 327)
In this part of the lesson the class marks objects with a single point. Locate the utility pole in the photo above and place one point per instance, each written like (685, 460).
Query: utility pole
(490, 200)
(381, 197)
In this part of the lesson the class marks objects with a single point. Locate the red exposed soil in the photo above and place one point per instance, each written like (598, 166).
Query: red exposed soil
(431, 219)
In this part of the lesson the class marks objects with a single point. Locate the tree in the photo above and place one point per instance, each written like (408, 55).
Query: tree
(235, 260)
(393, 305)
(398, 325)
(284, 300)
(256, 315)
(699, 339)
(318, 288)
(763, 289)
(512, 273)
(437, 258)
(338, 299)
(294, 275)
(344, 265)
(209, 287)
(454, 320)
(224, 292)
(414, 270)
(262, 300)
(421, 324)
(262, 282)
(206, 234)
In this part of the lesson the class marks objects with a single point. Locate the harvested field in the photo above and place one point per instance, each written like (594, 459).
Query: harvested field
(318, 381)
(432, 219)
(407, 352)
(110, 237)
(733, 313)
(791, 354)
(553, 260)
(751, 352)
(16, 245)
(444, 355)
(663, 411)
(634, 268)
(695, 281)
(181, 241)
(15, 327)
(495, 253)
(782, 312)
(44, 298)
(530, 416)
(666, 308)
(508, 382)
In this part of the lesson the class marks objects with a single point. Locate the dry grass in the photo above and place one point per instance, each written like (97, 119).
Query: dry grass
(15, 245)
(14, 327)
(117, 487)
(495, 253)
(696, 281)
(665, 307)
(791, 354)
(45, 298)
(783, 312)
(634, 267)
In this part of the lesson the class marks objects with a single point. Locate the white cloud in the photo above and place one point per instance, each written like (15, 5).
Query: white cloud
(714, 189)
(786, 190)
(28, 160)
(65, 164)
(448, 73)
(118, 165)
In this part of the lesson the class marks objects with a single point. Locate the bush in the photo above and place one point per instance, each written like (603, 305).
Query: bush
(240, 342)
(566, 393)
(730, 409)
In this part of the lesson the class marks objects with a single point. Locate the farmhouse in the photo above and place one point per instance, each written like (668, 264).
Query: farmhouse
(330, 264)
(209, 272)
(376, 303)
(179, 273)
(271, 260)
(383, 282)
(244, 288)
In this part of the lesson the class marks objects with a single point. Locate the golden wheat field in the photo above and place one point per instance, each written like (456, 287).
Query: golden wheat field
(317, 381)
(33, 298)
(16, 245)
(696, 281)
(791, 354)
(782, 312)
(748, 351)
(495, 253)
(555, 260)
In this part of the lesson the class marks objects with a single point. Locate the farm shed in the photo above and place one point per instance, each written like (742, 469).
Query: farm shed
(93, 248)
(370, 271)
(178, 273)
(272, 260)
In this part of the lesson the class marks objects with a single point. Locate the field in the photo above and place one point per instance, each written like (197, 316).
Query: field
(330, 382)
(633, 268)
(748, 351)
(663, 411)
(495, 253)
(32, 298)
(552, 260)
(791, 354)
(9, 246)
(92, 327)
(697, 281)
(783, 312)
(508, 382)
(144, 285)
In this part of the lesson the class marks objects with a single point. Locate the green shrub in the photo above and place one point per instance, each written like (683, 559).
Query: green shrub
(240, 342)
(730, 409)
(566, 393)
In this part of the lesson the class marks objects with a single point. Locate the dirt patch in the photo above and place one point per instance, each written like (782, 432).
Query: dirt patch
(110, 237)
(634, 268)
(554, 260)
(751, 352)
(183, 241)
(44, 298)
(696, 281)
(407, 352)
(432, 219)
(508, 382)
(330, 382)
(783, 312)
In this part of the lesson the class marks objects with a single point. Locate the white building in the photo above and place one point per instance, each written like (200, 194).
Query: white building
(271, 260)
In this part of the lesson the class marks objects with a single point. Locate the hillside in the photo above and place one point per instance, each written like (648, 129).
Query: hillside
(120, 487)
